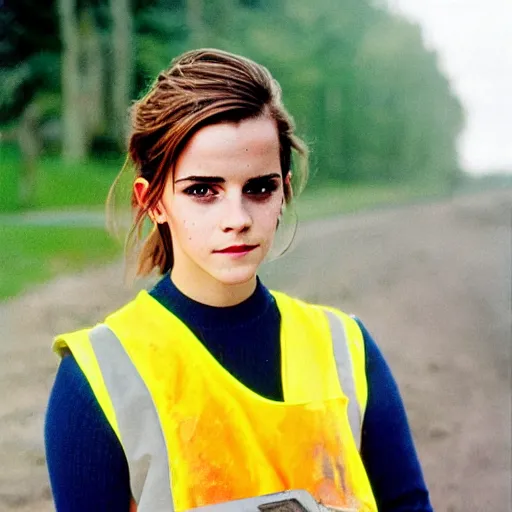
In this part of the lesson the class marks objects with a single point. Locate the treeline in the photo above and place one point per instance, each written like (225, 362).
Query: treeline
(366, 94)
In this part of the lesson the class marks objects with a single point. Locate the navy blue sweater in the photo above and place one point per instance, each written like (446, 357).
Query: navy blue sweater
(87, 467)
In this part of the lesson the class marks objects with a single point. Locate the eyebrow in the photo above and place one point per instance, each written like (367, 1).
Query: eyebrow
(218, 179)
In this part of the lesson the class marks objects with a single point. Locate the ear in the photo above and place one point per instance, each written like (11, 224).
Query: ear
(140, 189)
(288, 191)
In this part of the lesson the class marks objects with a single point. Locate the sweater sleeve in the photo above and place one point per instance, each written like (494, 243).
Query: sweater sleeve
(387, 447)
(86, 462)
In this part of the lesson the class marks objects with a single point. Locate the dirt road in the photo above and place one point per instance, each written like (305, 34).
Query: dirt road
(431, 282)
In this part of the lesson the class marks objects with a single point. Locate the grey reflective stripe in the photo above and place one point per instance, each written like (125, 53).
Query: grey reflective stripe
(139, 427)
(345, 373)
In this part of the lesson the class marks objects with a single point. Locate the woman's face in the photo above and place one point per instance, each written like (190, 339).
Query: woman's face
(223, 203)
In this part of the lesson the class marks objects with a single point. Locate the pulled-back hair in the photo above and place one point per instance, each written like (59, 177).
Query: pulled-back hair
(200, 88)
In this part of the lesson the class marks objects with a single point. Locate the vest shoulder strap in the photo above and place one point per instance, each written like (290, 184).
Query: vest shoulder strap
(349, 355)
(128, 406)
(348, 350)
(140, 429)
(78, 343)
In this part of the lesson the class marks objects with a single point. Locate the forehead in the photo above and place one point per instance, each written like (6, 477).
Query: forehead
(232, 150)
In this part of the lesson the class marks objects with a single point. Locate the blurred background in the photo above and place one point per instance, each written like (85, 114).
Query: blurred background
(405, 105)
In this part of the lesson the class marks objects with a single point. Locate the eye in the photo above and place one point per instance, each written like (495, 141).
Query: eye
(261, 188)
(200, 190)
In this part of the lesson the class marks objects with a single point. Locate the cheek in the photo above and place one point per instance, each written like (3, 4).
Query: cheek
(269, 214)
(190, 229)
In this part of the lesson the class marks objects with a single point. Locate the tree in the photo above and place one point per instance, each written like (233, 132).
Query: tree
(74, 142)
(29, 142)
(29, 55)
(122, 65)
(93, 76)
(365, 93)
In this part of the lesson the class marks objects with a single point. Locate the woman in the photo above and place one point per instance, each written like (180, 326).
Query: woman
(209, 387)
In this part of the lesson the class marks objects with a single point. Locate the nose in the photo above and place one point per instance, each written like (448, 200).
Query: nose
(236, 216)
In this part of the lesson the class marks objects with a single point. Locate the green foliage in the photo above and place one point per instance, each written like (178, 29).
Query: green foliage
(34, 254)
(160, 37)
(86, 184)
(58, 185)
(9, 177)
(29, 54)
(12, 80)
(327, 201)
(365, 93)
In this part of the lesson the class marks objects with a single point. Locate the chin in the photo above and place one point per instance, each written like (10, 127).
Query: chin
(236, 276)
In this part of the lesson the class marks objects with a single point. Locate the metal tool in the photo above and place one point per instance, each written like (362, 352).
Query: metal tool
(286, 501)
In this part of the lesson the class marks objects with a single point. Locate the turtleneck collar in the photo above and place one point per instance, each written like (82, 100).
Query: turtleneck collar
(203, 316)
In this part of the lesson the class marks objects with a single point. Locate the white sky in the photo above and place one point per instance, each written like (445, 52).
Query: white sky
(474, 41)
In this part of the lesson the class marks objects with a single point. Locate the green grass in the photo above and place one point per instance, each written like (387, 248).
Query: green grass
(58, 185)
(35, 254)
(9, 178)
(338, 199)
(79, 185)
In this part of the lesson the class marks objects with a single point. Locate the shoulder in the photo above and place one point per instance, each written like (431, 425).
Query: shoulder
(348, 336)
(293, 304)
(73, 408)
(370, 346)
(72, 404)
(375, 361)
(377, 371)
(133, 311)
(354, 331)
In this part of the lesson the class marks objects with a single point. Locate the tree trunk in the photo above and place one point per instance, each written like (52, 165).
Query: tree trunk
(74, 140)
(332, 129)
(29, 140)
(94, 76)
(122, 65)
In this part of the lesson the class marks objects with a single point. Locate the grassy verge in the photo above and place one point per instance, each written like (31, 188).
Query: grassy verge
(9, 178)
(336, 200)
(58, 185)
(83, 185)
(35, 254)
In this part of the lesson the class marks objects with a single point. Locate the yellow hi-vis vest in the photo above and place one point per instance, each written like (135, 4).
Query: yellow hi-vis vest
(194, 435)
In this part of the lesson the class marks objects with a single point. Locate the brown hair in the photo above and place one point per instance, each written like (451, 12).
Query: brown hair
(201, 87)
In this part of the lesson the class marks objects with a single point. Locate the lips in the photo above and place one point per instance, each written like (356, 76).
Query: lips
(236, 249)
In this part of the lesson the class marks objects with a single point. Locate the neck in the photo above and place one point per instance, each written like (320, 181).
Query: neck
(212, 292)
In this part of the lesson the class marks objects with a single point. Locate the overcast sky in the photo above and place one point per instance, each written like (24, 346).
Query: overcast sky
(474, 42)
